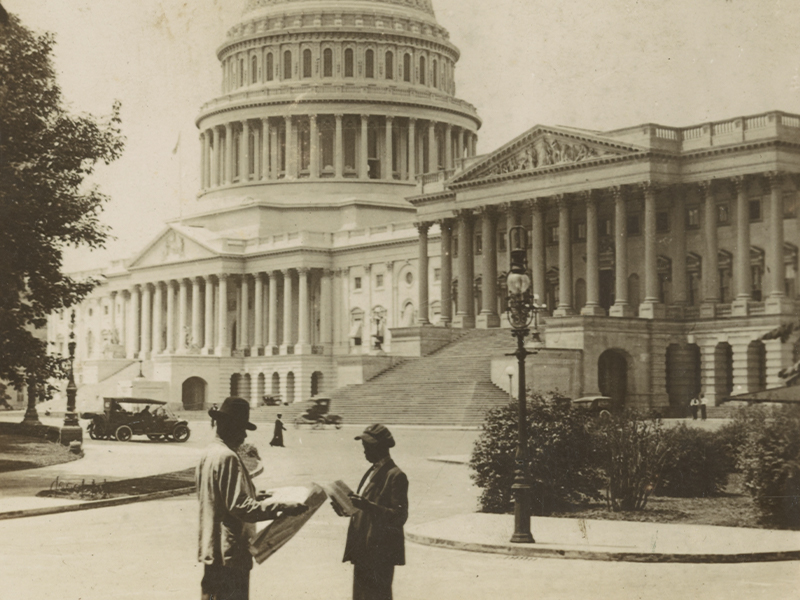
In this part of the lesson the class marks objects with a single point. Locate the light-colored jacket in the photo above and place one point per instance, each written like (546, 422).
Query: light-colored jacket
(228, 508)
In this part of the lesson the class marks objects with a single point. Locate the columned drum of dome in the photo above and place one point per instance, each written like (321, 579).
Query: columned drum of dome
(340, 92)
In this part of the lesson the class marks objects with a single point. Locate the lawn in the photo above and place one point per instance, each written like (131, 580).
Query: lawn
(19, 452)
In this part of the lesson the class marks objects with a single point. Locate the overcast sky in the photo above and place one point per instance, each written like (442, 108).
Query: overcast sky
(596, 64)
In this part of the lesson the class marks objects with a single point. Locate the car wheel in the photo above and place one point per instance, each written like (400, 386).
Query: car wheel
(339, 425)
(180, 433)
(124, 433)
(92, 434)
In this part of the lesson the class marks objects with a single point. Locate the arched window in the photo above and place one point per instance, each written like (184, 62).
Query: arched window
(327, 63)
(287, 64)
(253, 70)
(435, 74)
(270, 69)
(348, 62)
(407, 67)
(422, 70)
(306, 63)
(369, 64)
(390, 65)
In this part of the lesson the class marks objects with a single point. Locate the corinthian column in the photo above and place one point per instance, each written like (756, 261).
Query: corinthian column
(228, 153)
(678, 230)
(412, 150)
(388, 171)
(291, 150)
(621, 307)
(326, 304)
(223, 349)
(134, 323)
(363, 158)
(208, 329)
(488, 317)
(422, 315)
(313, 146)
(465, 316)
(171, 318)
(158, 313)
(288, 317)
(433, 151)
(446, 283)
(538, 256)
(303, 345)
(258, 300)
(215, 158)
(651, 308)
(196, 323)
(273, 313)
(743, 276)
(244, 153)
(565, 307)
(265, 135)
(776, 301)
(710, 272)
(592, 307)
(147, 324)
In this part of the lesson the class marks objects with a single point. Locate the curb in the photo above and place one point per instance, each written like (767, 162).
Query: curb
(640, 557)
(54, 510)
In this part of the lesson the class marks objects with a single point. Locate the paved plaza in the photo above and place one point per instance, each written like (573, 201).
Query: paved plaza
(148, 549)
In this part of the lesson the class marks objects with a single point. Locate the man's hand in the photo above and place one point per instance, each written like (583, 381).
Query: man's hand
(359, 502)
(337, 509)
(291, 509)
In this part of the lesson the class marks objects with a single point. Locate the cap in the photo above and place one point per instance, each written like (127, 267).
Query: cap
(377, 434)
(234, 410)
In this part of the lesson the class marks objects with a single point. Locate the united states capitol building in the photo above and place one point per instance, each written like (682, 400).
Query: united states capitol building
(344, 222)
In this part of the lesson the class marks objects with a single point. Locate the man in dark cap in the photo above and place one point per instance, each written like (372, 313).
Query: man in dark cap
(375, 542)
(229, 508)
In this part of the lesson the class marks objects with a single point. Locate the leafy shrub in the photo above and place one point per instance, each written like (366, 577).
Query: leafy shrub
(732, 436)
(770, 462)
(562, 461)
(697, 466)
(634, 450)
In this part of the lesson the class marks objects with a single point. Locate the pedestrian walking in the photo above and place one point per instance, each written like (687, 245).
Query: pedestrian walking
(229, 508)
(694, 405)
(703, 406)
(214, 409)
(375, 543)
(277, 436)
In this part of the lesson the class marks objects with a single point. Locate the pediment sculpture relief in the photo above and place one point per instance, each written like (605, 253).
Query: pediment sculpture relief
(173, 245)
(544, 152)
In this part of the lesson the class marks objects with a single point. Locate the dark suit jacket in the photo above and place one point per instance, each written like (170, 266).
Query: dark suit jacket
(375, 536)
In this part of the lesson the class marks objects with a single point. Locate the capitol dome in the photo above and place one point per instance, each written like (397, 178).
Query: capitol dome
(324, 101)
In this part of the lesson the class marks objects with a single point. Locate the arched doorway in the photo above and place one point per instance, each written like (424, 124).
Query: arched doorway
(756, 366)
(276, 384)
(261, 387)
(289, 388)
(723, 371)
(235, 385)
(683, 376)
(193, 393)
(316, 382)
(612, 374)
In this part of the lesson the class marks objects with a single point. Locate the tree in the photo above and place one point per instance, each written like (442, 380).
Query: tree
(45, 156)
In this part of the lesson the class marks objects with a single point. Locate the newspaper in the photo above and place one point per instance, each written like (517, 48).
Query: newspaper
(339, 493)
(270, 539)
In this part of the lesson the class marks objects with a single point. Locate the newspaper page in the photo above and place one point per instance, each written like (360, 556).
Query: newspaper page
(339, 493)
(270, 539)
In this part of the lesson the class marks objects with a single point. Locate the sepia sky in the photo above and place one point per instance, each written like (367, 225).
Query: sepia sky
(596, 64)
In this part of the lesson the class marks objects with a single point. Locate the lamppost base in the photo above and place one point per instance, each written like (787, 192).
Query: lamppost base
(522, 538)
(71, 433)
(31, 417)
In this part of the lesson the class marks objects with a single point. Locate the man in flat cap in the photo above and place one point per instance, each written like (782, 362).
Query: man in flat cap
(229, 508)
(375, 542)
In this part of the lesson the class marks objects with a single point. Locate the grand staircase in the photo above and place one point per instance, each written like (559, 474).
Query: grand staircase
(451, 387)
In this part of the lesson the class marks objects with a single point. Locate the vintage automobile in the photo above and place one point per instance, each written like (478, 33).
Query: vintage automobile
(318, 416)
(271, 400)
(598, 406)
(123, 418)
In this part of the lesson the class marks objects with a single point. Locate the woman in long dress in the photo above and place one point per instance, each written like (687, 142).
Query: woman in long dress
(277, 437)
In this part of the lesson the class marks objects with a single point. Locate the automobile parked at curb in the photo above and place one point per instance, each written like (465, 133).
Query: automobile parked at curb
(597, 406)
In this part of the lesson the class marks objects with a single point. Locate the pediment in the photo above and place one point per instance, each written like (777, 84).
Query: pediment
(171, 246)
(543, 147)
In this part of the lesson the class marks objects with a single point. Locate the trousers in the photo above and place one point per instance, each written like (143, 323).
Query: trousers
(372, 582)
(224, 583)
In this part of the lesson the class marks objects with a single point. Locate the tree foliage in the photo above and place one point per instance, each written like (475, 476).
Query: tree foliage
(46, 154)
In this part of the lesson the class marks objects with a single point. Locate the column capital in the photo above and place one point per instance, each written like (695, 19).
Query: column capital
(423, 226)
(367, 268)
(619, 193)
(287, 118)
(303, 270)
(338, 116)
(222, 276)
(487, 210)
(389, 118)
(707, 187)
(364, 118)
(465, 214)
(563, 200)
(446, 223)
(589, 196)
(773, 179)
(390, 266)
(287, 272)
(649, 186)
(537, 204)
(259, 276)
(739, 182)
(198, 279)
(328, 273)
(312, 117)
(412, 120)
(509, 208)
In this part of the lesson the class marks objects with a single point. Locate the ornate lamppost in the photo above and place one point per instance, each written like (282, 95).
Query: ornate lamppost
(522, 309)
(71, 431)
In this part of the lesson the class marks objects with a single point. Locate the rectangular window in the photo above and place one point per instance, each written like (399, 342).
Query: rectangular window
(693, 217)
(437, 274)
(552, 233)
(606, 227)
(723, 214)
(379, 280)
(662, 222)
(580, 232)
(105, 309)
(789, 204)
(478, 243)
(755, 210)
(501, 241)
(634, 227)
(357, 283)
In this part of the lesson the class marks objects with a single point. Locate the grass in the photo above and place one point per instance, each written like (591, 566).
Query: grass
(18, 452)
(732, 508)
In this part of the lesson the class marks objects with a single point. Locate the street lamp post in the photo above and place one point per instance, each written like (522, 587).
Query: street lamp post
(71, 431)
(522, 309)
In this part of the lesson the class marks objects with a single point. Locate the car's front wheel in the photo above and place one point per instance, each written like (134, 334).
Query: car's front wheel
(180, 433)
(123, 433)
